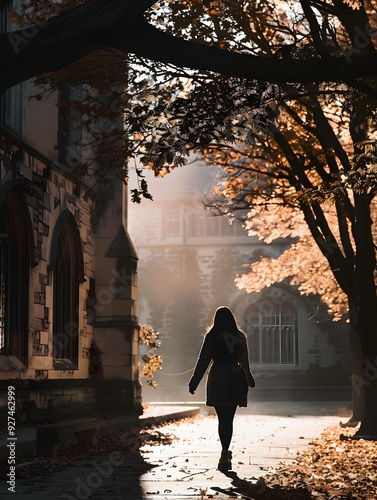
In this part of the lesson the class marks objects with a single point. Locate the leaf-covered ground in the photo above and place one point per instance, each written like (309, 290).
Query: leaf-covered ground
(332, 468)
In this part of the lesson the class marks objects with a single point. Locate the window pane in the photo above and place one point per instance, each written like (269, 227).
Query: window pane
(254, 344)
(66, 293)
(272, 329)
(173, 222)
(14, 277)
(287, 348)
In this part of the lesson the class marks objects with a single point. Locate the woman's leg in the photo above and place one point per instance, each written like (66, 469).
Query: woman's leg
(225, 415)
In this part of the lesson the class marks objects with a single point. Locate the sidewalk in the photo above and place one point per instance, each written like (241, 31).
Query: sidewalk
(153, 415)
(265, 435)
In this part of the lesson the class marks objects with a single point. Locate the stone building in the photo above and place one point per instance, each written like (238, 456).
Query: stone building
(188, 263)
(68, 269)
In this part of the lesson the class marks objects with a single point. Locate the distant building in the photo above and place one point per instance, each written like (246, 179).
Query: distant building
(68, 269)
(188, 262)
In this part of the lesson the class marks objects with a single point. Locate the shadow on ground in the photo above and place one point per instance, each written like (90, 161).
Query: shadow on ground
(77, 474)
(259, 490)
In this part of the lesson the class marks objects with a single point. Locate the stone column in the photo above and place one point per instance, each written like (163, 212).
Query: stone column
(116, 327)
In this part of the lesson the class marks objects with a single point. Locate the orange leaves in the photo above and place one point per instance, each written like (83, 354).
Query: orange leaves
(302, 262)
(152, 362)
(354, 4)
(333, 469)
(149, 337)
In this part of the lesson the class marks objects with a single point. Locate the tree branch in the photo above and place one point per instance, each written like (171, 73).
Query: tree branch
(157, 45)
(314, 29)
(121, 24)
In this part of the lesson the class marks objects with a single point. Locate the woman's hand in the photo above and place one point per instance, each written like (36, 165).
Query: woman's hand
(191, 390)
(252, 382)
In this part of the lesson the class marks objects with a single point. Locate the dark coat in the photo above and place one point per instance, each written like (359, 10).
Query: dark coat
(217, 392)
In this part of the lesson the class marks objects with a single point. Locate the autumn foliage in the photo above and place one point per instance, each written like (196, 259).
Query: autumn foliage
(151, 361)
(308, 147)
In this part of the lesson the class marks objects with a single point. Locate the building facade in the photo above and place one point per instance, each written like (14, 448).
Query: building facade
(188, 262)
(68, 269)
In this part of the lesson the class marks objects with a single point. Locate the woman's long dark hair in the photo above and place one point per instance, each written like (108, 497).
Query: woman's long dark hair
(226, 331)
(224, 321)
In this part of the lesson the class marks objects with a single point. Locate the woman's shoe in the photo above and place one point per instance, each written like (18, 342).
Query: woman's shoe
(225, 462)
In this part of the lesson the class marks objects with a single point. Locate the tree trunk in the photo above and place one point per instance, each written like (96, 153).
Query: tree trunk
(358, 388)
(365, 264)
(368, 382)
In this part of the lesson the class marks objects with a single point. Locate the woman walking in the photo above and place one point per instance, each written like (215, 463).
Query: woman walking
(226, 346)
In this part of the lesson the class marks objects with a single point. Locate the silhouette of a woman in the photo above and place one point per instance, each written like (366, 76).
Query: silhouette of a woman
(225, 346)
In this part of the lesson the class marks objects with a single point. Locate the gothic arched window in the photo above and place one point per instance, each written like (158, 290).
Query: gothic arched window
(16, 248)
(272, 326)
(67, 265)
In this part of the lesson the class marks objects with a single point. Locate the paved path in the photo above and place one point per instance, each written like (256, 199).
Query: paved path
(264, 437)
